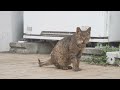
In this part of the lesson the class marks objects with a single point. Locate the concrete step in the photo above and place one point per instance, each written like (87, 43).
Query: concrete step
(30, 48)
(43, 48)
(92, 51)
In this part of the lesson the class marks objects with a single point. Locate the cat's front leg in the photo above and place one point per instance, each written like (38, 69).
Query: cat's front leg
(75, 63)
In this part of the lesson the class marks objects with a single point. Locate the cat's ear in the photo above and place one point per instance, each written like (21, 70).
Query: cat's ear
(89, 29)
(78, 30)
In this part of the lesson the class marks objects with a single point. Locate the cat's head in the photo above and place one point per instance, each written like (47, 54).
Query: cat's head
(82, 37)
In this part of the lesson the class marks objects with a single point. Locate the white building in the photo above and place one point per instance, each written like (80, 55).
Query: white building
(11, 28)
(103, 23)
(65, 21)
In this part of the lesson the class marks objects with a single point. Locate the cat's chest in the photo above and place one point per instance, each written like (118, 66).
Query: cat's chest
(76, 47)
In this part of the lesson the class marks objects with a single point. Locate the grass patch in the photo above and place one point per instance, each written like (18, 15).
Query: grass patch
(102, 59)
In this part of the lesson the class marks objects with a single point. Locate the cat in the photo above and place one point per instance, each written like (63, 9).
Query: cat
(69, 50)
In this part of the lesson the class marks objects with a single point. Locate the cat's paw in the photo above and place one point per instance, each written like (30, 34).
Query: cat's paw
(77, 69)
(65, 68)
(69, 67)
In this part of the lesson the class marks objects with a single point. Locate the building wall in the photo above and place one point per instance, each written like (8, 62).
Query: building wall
(114, 26)
(5, 30)
(11, 24)
(65, 21)
(17, 25)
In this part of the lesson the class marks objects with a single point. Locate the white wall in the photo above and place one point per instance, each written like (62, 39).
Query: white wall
(65, 21)
(17, 25)
(5, 30)
(10, 28)
(114, 26)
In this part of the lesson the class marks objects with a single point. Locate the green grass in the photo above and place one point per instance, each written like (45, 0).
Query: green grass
(101, 60)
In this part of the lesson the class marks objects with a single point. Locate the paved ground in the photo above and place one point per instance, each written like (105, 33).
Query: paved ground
(21, 66)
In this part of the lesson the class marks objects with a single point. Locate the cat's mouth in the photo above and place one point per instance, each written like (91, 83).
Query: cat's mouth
(81, 45)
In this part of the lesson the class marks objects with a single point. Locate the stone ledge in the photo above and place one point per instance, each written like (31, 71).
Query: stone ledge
(30, 48)
(92, 51)
(43, 48)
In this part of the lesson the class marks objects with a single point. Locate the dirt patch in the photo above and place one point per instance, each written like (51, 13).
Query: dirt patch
(25, 66)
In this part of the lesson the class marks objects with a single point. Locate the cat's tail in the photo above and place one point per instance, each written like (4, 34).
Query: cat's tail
(46, 63)
(39, 62)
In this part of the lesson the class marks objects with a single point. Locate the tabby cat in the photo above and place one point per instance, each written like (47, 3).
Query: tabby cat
(69, 50)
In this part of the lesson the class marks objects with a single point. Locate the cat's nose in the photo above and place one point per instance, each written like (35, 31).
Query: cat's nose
(82, 42)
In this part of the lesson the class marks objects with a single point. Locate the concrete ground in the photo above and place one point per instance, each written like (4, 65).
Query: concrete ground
(25, 66)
